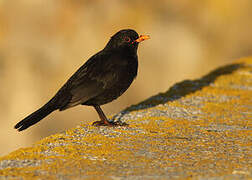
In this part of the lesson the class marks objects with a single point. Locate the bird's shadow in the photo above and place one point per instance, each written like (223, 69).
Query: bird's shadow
(180, 90)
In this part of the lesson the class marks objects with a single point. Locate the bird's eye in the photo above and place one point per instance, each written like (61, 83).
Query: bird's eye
(127, 39)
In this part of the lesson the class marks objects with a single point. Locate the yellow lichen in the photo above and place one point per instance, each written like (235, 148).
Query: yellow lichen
(184, 143)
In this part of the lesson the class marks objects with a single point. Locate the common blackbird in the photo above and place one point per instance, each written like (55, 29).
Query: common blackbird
(103, 78)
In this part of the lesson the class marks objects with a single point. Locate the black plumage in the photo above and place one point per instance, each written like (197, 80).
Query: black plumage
(103, 78)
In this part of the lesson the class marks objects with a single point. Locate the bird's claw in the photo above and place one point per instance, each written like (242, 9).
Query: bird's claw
(111, 124)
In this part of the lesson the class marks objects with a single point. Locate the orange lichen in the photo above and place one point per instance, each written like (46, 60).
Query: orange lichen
(214, 142)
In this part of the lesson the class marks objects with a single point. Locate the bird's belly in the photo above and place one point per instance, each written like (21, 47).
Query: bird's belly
(113, 92)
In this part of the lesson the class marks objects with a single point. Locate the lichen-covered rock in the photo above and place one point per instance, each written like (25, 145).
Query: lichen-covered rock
(198, 128)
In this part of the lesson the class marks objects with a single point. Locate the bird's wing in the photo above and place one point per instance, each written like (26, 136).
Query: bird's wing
(97, 74)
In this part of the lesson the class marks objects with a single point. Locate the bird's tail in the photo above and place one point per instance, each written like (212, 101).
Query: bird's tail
(36, 116)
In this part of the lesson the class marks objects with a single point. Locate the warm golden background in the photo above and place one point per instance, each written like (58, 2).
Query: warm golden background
(42, 42)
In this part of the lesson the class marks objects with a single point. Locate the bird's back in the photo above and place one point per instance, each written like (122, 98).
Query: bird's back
(103, 78)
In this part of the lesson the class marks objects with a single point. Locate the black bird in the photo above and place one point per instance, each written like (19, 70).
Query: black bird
(103, 78)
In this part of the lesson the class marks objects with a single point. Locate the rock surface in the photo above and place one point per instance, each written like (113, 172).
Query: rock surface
(197, 129)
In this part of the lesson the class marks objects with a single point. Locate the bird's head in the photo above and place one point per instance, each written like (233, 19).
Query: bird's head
(126, 39)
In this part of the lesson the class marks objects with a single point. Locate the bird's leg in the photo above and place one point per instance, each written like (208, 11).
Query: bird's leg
(104, 121)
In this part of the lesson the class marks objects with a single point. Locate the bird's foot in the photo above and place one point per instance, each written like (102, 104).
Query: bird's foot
(111, 124)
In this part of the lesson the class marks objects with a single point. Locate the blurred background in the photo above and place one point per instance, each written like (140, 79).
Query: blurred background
(43, 42)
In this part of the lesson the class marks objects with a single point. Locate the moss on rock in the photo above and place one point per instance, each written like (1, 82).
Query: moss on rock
(198, 128)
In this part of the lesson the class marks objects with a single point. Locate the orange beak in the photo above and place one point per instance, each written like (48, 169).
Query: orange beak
(142, 38)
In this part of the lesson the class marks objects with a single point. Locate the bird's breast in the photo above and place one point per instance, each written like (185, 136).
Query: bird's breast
(117, 82)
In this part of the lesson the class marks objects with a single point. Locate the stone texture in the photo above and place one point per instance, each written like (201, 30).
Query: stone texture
(198, 129)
